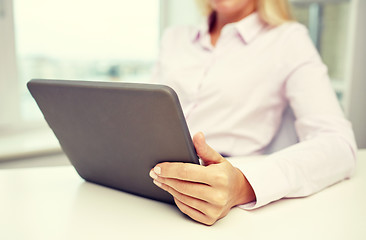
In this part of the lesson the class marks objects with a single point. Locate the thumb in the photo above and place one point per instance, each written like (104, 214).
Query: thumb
(205, 152)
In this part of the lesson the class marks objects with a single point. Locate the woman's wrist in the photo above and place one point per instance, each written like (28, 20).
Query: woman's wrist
(245, 193)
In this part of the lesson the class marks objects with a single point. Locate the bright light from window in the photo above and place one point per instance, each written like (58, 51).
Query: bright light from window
(112, 40)
(84, 29)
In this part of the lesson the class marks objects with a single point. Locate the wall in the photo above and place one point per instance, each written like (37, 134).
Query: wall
(356, 97)
(8, 81)
(178, 12)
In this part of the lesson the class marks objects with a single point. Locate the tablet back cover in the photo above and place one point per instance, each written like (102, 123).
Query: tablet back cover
(114, 133)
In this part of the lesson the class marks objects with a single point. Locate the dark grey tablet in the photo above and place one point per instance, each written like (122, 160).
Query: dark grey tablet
(114, 133)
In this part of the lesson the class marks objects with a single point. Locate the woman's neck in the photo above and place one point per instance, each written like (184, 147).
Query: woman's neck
(219, 20)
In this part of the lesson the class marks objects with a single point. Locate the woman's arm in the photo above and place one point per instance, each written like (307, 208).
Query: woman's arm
(326, 153)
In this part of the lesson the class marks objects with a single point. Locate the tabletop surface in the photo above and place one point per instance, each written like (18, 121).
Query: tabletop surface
(55, 203)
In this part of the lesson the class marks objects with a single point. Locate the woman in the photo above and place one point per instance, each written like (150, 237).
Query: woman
(234, 77)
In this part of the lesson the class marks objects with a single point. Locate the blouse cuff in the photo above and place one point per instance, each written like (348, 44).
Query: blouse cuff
(266, 178)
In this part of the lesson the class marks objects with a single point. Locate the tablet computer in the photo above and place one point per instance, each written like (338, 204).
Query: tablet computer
(114, 133)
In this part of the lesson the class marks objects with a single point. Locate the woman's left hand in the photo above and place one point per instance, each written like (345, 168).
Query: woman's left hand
(204, 193)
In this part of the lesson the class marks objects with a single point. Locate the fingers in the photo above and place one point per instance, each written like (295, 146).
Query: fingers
(183, 171)
(204, 151)
(194, 214)
(198, 191)
(197, 209)
(205, 203)
(193, 202)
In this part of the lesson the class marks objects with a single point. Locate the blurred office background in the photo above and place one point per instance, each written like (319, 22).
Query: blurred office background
(118, 40)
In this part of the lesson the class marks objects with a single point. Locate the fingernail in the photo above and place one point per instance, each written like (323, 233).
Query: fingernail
(157, 170)
(157, 183)
(153, 175)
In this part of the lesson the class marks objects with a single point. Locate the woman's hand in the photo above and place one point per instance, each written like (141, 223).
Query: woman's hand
(205, 193)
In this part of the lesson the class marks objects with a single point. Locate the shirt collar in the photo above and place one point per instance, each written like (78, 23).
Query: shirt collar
(201, 30)
(248, 28)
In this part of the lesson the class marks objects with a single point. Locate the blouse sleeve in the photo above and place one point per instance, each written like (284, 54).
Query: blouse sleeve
(326, 153)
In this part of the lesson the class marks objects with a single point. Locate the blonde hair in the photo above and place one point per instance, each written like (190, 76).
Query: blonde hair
(272, 12)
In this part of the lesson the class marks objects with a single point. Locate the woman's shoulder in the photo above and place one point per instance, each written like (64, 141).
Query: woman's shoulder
(177, 39)
(292, 36)
(290, 30)
(293, 26)
(179, 33)
(296, 44)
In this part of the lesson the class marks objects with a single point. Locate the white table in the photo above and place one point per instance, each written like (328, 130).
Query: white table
(55, 203)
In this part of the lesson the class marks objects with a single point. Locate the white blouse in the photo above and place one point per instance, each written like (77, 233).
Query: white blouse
(235, 93)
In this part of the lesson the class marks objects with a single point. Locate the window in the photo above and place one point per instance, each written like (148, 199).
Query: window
(108, 40)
